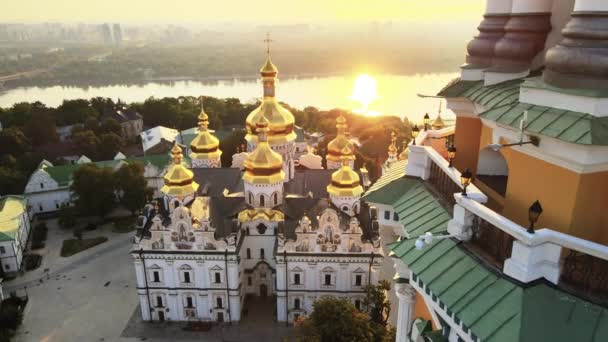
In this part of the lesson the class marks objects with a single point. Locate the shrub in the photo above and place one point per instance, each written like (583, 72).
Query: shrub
(78, 234)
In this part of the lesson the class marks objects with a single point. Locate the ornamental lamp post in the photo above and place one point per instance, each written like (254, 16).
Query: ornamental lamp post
(427, 121)
(465, 180)
(451, 154)
(415, 132)
(533, 214)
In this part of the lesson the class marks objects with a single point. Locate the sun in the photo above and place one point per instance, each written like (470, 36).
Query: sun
(364, 91)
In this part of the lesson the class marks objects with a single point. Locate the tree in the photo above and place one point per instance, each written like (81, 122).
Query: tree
(14, 142)
(67, 216)
(86, 142)
(12, 181)
(230, 144)
(337, 319)
(376, 302)
(109, 145)
(93, 188)
(40, 128)
(132, 186)
(110, 125)
(72, 112)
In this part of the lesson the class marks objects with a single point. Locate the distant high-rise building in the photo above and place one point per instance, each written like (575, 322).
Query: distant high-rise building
(106, 34)
(117, 32)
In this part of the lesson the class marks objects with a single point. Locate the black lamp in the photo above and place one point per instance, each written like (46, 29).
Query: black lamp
(465, 180)
(427, 121)
(451, 154)
(415, 132)
(533, 214)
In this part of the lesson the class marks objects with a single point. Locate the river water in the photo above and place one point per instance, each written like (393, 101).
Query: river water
(396, 94)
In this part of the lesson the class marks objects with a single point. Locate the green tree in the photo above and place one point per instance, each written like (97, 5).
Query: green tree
(12, 181)
(337, 319)
(40, 128)
(109, 145)
(230, 144)
(14, 142)
(72, 112)
(66, 216)
(110, 125)
(86, 142)
(94, 190)
(132, 187)
(376, 302)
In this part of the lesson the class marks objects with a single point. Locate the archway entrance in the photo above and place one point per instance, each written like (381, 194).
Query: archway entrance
(492, 177)
(263, 290)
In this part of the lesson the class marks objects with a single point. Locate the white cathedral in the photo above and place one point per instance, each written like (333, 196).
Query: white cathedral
(262, 227)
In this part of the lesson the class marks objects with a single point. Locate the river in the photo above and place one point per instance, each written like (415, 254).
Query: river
(396, 94)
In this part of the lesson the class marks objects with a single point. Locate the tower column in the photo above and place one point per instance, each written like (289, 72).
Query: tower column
(491, 29)
(405, 314)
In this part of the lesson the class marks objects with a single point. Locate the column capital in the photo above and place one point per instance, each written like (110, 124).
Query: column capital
(405, 292)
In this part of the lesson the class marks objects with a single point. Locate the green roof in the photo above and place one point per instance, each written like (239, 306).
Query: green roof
(574, 127)
(502, 106)
(62, 174)
(395, 171)
(494, 308)
(11, 209)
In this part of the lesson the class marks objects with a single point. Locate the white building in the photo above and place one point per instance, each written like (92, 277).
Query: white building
(221, 234)
(14, 232)
(49, 186)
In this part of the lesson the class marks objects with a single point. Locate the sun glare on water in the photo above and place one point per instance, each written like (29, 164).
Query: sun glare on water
(364, 92)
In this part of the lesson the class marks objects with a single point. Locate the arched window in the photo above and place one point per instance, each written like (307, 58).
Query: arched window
(276, 198)
(262, 253)
(261, 200)
(248, 253)
(175, 204)
(250, 198)
(344, 208)
(296, 303)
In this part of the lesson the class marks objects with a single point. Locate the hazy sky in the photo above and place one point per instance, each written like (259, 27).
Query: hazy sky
(259, 11)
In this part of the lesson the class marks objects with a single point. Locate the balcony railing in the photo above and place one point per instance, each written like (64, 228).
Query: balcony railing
(489, 241)
(443, 184)
(585, 275)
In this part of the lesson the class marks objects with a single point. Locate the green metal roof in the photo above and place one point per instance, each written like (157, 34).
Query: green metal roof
(574, 127)
(502, 103)
(395, 171)
(62, 174)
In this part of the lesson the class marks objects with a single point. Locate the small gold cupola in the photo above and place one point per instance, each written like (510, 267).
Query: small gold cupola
(392, 148)
(345, 182)
(336, 147)
(263, 165)
(205, 146)
(179, 180)
(405, 152)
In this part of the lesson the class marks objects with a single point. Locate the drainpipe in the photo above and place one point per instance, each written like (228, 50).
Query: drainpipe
(369, 276)
(286, 289)
(143, 260)
(227, 291)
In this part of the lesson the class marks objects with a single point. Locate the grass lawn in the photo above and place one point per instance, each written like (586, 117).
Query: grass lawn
(74, 246)
(123, 224)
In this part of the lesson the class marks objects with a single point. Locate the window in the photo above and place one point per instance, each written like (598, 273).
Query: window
(156, 277)
(218, 277)
(159, 301)
(276, 198)
(248, 253)
(296, 303)
(358, 304)
(40, 207)
(57, 205)
(387, 215)
(358, 280)
(6, 266)
(261, 253)
(344, 208)
(41, 185)
(2, 250)
(296, 279)
(395, 216)
(189, 303)
(249, 281)
(250, 198)
(219, 302)
(328, 279)
(186, 277)
(261, 200)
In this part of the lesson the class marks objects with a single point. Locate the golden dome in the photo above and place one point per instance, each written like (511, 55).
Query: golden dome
(438, 123)
(280, 122)
(345, 182)
(335, 147)
(179, 180)
(205, 145)
(406, 151)
(269, 69)
(271, 215)
(263, 165)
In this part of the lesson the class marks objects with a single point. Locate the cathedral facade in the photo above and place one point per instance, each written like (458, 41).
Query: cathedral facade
(268, 229)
